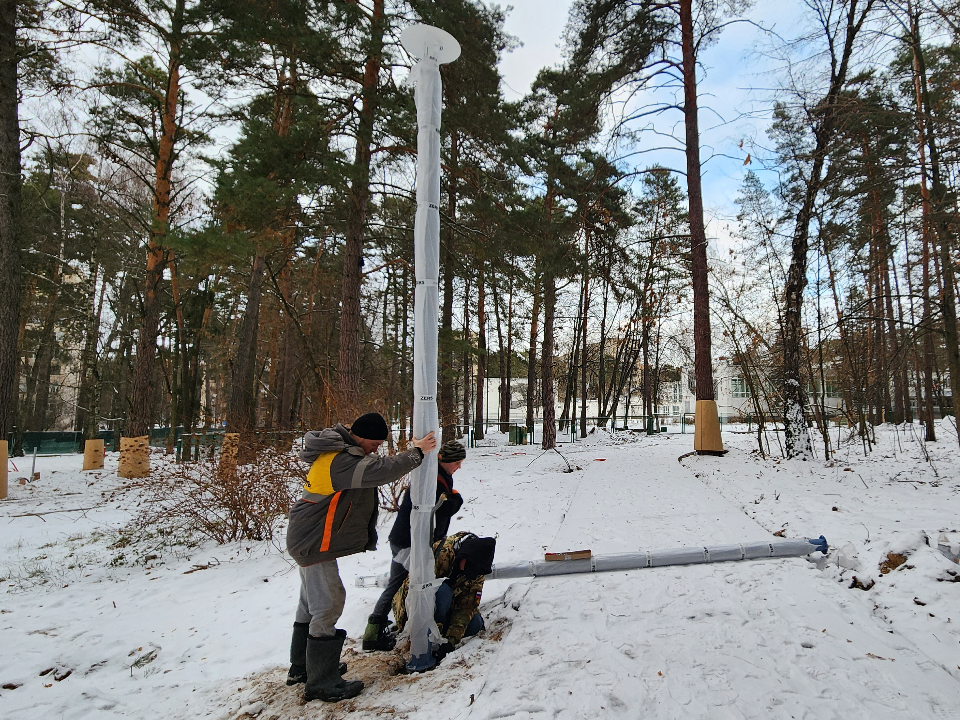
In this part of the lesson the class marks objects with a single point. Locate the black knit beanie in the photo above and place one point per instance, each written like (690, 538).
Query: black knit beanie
(371, 426)
(478, 552)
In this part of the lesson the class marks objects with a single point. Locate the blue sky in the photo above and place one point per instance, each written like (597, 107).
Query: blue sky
(735, 85)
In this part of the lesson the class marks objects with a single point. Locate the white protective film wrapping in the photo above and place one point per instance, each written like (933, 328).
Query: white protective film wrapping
(661, 558)
(420, 598)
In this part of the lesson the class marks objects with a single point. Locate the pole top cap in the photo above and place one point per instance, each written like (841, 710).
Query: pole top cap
(428, 41)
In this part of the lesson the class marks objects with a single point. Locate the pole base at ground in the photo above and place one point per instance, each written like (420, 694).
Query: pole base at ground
(706, 429)
(421, 663)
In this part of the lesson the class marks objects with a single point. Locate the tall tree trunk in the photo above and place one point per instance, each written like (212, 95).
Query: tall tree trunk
(38, 384)
(570, 381)
(926, 409)
(359, 199)
(41, 371)
(142, 393)
(446, 408)
(466, 355)
(884, 324)
(927, 330)
(503, 391)
(942, 223)
(179, 357)
(585, 313)
(703, 361)
(905, 351)
(797, 439)
(547, 398)
(241, 407)
(508, 395)
(602, 355)
(894, 359)
(532, 352)
(86, 419)
(11, 277)
(291, 373)
(645, 370)
(481, 385)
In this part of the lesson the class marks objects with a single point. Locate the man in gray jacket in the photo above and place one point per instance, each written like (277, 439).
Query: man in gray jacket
(336, 516)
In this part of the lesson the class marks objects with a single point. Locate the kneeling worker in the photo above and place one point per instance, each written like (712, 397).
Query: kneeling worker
(337, 516)
(449, 502)
(463, 559)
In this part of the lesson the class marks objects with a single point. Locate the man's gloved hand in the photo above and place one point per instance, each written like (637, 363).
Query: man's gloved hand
(441, 652)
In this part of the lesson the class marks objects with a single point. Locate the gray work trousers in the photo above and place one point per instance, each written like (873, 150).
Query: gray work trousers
(321, 598)
(398, 573)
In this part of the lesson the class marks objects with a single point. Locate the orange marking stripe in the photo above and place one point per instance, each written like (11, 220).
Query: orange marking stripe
(328, 525)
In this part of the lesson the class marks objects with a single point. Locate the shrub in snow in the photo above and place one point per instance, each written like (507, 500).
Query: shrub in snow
(219, 501)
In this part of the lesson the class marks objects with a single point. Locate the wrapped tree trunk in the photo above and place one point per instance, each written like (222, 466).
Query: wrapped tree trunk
(707, 434)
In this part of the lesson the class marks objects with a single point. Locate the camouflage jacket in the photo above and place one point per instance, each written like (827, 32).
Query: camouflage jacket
(466, 592)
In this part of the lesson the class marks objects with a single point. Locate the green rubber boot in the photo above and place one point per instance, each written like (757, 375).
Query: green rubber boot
(377, 636)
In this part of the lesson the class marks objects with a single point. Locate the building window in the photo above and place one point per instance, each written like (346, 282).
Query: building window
(739, 389)
(676, 392)
(832, 389)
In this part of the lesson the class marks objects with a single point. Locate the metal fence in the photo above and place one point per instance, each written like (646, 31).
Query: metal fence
(63, 442)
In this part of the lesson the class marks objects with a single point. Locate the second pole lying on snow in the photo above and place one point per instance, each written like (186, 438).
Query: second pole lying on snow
(645, 559)
(661, 558)
(433, 47)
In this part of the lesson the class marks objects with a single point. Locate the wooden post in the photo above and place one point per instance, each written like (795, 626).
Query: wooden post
(93, 455)
(706, 429)
(3, 469)
(134, 457)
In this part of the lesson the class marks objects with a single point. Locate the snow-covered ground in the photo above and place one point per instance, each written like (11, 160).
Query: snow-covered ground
(204, 632)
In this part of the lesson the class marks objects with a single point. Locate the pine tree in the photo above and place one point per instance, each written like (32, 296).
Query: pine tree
(10, 240)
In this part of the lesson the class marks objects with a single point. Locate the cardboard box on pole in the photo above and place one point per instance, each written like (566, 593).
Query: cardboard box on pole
(134, 457)
(706, 431)
(93, 455)
(229, 454)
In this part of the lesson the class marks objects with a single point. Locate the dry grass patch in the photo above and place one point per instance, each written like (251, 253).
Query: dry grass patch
(892, 562)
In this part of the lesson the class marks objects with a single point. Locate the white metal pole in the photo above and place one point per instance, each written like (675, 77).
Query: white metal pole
(433, 47)
(659, 558)
(756, 550)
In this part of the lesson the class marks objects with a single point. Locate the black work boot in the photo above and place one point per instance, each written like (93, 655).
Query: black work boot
(298, 654)
(377, 636)
(323, 673)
